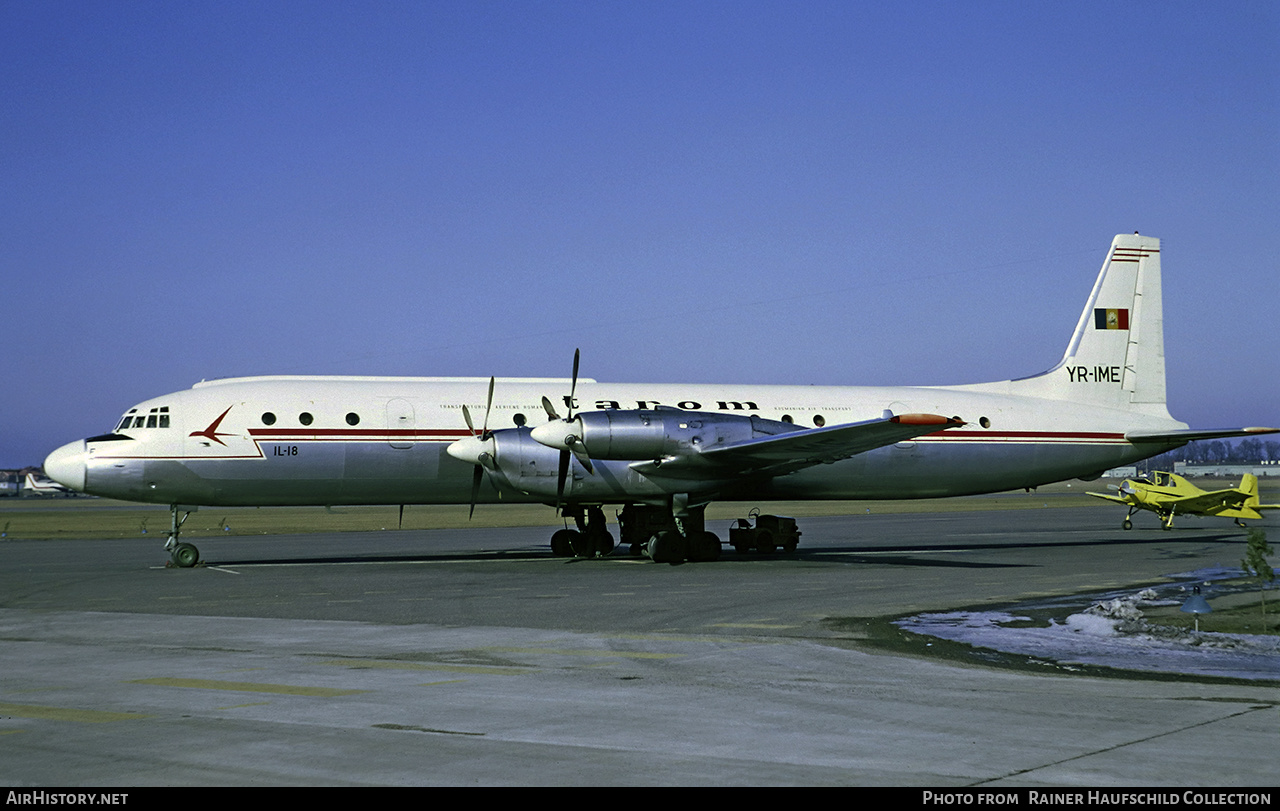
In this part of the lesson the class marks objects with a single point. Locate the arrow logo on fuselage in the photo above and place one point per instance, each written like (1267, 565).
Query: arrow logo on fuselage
(211, 432)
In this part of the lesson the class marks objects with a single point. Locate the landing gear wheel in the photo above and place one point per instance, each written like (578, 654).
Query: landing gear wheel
(667, 547)
(604, 544)
(185, 555)
(1127, 524)
(704, 546)
(584, 546)
(563, 541)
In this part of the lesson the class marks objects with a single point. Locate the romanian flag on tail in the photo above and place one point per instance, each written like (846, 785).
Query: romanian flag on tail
(1110, 319)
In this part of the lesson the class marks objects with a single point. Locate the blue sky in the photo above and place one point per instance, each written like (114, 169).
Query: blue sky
(835, 193)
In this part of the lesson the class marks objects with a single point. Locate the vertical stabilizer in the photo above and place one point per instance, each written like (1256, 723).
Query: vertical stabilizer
(1249, 485)
(1116, 356)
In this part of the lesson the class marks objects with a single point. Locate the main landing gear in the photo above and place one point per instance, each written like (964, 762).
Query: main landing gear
(671, 534)
(1166, 519)
(590, 539)
(181, 554)
(668, 534)
(664, 534)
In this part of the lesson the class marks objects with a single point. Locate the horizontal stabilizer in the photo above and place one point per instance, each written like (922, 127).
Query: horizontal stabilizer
(1190, 434)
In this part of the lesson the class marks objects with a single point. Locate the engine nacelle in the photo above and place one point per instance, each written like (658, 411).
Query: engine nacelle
(514, 461)
(638, 435)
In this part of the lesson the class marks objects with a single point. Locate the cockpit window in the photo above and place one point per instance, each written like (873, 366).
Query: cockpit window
(155, 418)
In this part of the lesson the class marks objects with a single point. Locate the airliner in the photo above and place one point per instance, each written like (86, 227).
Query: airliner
(661, 452)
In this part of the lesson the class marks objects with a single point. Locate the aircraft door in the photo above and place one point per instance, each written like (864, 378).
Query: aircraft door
(400, 423)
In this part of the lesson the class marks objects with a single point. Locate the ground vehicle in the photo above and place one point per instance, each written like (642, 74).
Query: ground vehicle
(768, 534)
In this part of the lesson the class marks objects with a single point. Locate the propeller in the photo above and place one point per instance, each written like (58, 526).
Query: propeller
(572, 441)
(483, 457)
(1125, 489)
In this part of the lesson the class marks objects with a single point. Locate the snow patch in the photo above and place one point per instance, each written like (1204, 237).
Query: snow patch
(1111, 632)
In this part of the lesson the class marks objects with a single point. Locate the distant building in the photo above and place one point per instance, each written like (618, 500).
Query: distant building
(1224, 471)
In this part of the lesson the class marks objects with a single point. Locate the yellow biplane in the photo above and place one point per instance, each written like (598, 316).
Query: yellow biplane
(1168, 494)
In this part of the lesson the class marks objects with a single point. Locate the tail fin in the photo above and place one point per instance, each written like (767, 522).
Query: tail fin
(1249, 486)
(1116, 356)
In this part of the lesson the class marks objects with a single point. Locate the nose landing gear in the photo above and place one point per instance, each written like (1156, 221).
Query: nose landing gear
(182, 555)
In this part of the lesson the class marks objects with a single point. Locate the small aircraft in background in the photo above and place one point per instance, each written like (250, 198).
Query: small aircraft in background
(1168, 494)
(36, 485)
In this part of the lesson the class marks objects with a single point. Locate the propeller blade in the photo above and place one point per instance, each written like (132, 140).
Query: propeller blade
(561, 475)
(573, 387)
(475, 489)
(477, 472)
(550, 409)
(483, 433)
(488, 406)
(580, 453)
(574, 445)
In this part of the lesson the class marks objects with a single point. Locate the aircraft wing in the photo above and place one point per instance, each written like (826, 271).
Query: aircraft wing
(1109, 497)
(787, 453)
(1209, 502)
(1189, 434)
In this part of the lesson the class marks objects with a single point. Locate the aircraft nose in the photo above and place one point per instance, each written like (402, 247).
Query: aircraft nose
(66, 465)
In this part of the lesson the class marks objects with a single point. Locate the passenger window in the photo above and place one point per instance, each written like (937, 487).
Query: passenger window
(305, 418)
(353, 418)
(268, 418)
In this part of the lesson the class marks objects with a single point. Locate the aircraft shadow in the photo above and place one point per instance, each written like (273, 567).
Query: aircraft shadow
(487, 555)
(866, 555)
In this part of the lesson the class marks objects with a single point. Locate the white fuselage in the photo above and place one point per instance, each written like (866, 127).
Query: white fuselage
(334, 440)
